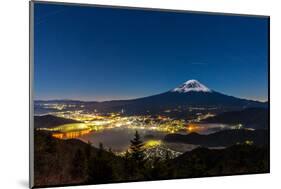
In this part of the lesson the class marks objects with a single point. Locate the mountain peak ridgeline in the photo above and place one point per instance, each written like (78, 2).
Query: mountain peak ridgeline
(191, 85)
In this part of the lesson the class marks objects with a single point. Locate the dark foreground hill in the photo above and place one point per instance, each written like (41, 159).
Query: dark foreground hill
(222, 138)
(70, 162)
(60, 162)
(48, 121)
(238, 159)
(251, 117)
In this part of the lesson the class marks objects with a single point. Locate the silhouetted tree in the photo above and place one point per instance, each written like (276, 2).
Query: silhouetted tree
(100, 168)
(136, 148)
(110, 151)
(167, 155)
(78, 165)
(137, 158)
(101, 149)
(88, 150)
(51, 146)
(129, 165)
(127, 155)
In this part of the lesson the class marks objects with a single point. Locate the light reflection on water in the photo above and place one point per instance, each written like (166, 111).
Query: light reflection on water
(118, 139)
(70, 135)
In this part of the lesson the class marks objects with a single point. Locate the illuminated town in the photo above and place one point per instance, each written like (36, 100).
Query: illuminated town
(94, 122)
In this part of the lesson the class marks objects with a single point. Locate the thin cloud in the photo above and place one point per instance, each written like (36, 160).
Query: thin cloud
(199, 63)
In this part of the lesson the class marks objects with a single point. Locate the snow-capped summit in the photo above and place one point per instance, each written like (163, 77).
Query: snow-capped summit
(191, 85)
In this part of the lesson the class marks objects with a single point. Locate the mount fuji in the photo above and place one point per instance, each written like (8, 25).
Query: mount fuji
(191, 93)
(191, 97)
(191, 85)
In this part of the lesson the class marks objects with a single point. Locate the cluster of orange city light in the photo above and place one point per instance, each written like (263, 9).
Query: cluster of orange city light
(192, 127)
(69, 135)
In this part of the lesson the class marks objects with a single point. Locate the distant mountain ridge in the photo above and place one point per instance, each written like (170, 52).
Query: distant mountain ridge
(222, 138)
(256, 118)
(48, 121)
(190, 93)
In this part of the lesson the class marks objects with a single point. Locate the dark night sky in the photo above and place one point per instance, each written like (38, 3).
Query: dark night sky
(92, 53)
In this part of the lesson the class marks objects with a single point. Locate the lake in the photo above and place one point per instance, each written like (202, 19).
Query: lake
(118, 138)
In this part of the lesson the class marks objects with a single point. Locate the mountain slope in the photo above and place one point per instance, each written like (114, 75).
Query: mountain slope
(256, 118)
(222, 138)
(191, 85)
(190, 93)
(238, 159)
(48, 121)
